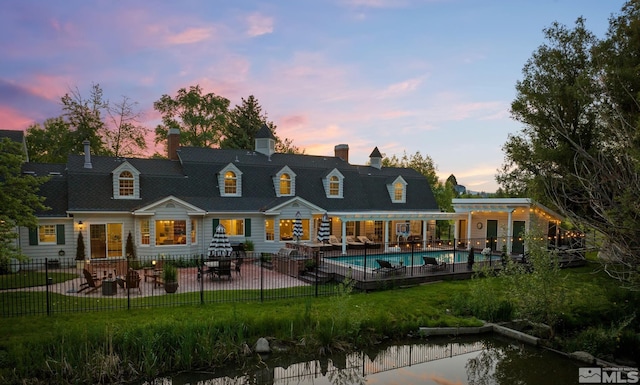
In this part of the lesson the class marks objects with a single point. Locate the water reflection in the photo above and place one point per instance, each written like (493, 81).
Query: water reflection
(460, 361)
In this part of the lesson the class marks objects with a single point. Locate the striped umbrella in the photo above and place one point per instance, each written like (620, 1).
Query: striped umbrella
(324, 229)
(297, 226)
(220, 245)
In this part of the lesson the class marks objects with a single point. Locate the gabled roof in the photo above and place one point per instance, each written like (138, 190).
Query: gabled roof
(194, 180)
(55, 190)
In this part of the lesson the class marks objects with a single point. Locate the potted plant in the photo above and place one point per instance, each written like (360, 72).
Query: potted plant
(80, 252)
(130, 252)
(248, 245)
(170, 277)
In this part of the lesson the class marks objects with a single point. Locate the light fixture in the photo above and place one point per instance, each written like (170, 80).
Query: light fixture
(80, 225)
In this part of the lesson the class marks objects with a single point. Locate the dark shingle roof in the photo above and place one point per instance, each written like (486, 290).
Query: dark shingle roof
(14, 135)
(194, 179)
(55, 189)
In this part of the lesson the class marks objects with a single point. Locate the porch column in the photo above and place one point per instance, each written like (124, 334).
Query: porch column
(469, 230)
(344, 237)
(509, 232)
(424, 234)
(386, 236)
(456, 234)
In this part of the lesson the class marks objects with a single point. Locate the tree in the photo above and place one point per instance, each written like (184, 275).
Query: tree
(201, 118)
(84, 116)
(80, 248)
(50, 143)
(18, 198)
(245, 121)
(125, 136)
(579, 150)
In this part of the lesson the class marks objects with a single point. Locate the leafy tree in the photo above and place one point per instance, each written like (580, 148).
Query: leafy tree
(50, 143)
(18, 197)
(201, 118)
(245, 121)
(579, 102)
(84, 119)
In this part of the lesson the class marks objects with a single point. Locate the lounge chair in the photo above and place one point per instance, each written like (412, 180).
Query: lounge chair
(335, 242)
(92, 283)
(239, 263)
(369, 244)
(353, 244)
(431, 263)
(386, 268)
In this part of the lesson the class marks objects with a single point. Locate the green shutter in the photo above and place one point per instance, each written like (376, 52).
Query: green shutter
(33, 236)
(247, 227)
(216, 222)
(60, 234)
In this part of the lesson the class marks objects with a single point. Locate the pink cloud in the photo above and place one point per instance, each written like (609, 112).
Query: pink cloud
(259, 25)
(48, 87)
(401, 88)
(190, 36)
(13, 120)
(293, 121)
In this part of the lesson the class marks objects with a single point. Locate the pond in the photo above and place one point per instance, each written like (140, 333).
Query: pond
(443, 361)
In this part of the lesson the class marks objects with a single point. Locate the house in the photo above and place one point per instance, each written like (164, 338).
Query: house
(172, 206)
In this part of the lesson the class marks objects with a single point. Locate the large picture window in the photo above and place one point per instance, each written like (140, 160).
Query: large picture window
(233, 226)
(286, 229)
(171, 232)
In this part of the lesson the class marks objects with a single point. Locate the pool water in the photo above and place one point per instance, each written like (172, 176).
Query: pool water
(407, 259)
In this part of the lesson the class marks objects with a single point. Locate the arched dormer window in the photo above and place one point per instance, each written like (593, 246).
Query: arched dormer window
(126, 182)
(397, 190)
(334, 184)
(230, 181)
(284, 182)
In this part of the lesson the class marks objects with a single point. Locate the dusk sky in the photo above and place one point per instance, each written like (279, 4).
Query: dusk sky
(434, 76)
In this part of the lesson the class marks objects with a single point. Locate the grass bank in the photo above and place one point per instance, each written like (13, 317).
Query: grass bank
(144, 343)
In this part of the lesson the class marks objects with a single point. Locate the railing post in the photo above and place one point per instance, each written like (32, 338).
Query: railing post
(46, 277)
(126, 283)
(262, 279)
(364, 271)
(200, 266)
(453, 263)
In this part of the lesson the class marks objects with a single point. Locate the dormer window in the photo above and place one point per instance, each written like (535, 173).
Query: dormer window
(284, 182)
(126, 182)
(398, 190)
(230, 181)
(334, 184)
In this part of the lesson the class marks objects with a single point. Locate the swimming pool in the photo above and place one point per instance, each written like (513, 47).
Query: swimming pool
(448, 256)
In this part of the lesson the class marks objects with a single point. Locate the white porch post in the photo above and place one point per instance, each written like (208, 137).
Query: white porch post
(386, 236)
(509, 232)
(424, 232)
(456, 234)
(344, 237)
(469, 230)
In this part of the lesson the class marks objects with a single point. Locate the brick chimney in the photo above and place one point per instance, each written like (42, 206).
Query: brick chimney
(173, 143)
(342, 152)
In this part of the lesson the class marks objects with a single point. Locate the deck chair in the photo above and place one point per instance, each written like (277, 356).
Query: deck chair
(353, 244)
(387, 268)
(335, 242)
(92, 283)
(223, 269)
(369, 244)
(433, 264)
(133, 281)
(239, 263)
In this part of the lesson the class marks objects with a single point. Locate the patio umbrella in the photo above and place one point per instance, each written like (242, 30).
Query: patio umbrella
(297, 227)
(220, 245)
(323, 229)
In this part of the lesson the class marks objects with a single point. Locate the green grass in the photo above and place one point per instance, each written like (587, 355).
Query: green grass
(145, 342)
(27, 278)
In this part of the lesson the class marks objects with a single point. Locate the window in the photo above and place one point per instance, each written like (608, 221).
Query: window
(145, 232)
(334, 186)
(398, 191)
(230, 183)
(285, 184)
(126, 184)
(171, 232)
(269, 231)
(286, 229)
(47, 234)
(350, 228)
(194, 232)
(233, 226)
